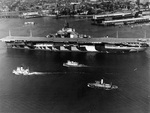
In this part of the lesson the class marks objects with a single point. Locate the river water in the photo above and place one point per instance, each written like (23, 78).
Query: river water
(60, 89)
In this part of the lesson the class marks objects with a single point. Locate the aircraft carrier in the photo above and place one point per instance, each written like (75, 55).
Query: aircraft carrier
(67, 39)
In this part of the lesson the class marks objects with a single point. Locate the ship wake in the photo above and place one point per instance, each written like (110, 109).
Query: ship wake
(50, 73)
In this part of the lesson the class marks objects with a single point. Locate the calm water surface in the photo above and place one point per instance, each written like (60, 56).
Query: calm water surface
(64, 90)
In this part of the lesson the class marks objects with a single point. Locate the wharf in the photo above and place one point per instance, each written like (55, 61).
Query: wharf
(74, 40)
(74, 16)
(9, 14)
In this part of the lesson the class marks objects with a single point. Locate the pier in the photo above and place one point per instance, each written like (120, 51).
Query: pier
(9, 14)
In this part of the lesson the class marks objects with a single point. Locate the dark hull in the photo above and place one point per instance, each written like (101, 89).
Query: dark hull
(99, 48)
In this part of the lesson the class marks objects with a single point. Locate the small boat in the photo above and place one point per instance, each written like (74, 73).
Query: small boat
(102, 85)
(29, 23)
(21, 71)
(73, 64)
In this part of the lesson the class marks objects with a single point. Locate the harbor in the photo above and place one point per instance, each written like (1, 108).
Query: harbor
(49, 66)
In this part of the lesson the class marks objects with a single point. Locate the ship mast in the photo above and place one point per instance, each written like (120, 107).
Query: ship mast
(9, 33)
(30, 33)
(117, 34)
(145, 34)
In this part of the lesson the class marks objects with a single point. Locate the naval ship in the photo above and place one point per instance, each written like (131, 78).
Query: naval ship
(67, 39)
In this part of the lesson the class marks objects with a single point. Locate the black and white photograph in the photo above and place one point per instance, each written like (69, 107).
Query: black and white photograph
(74, 56)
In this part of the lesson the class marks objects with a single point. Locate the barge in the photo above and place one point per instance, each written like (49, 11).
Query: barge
(69, 40)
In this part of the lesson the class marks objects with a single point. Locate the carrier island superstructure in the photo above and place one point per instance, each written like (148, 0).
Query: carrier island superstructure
(67, 39)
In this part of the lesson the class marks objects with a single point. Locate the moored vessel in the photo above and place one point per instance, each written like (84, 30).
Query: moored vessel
(29, 15)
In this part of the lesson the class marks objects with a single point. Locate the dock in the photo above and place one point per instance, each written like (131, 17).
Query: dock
(12, 14)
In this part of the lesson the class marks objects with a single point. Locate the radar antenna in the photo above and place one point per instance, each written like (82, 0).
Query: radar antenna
(66, 25)
(30, 33)
(9, 33)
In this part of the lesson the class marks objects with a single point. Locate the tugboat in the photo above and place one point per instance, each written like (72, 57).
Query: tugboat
(102, 85)
(21, 71)
(72, 64)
